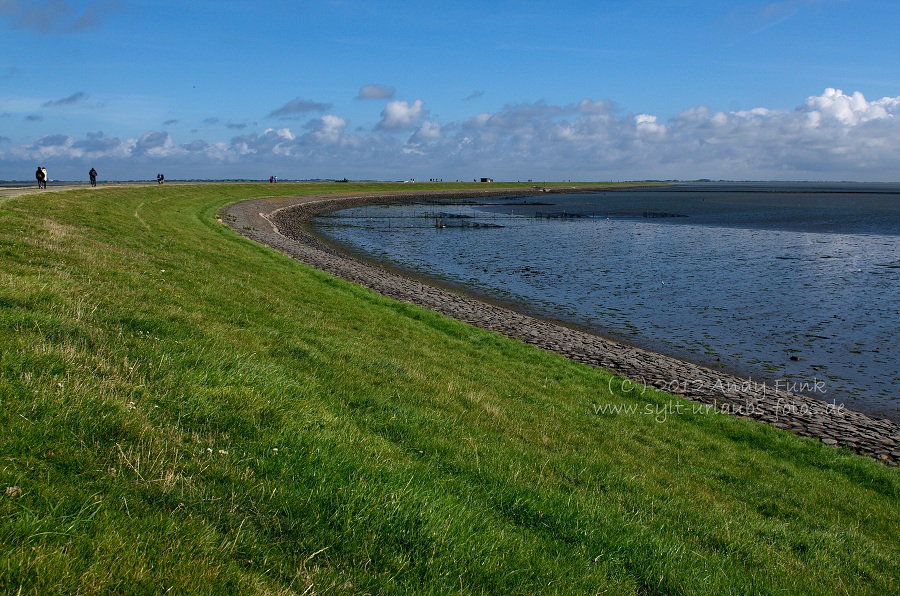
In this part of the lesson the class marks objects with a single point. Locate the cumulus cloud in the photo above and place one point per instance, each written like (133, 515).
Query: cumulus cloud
(155, 144)
(399, 115)
(847, 109)
(429, 132)
(97, 143)
(57, 145)
(328, 129)
(280, 142)
(830, 136)
(833, 135)
(196, 146)
(375, 91)
(297, 107)
(646, 124)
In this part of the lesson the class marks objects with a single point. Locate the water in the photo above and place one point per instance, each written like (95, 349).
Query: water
(786, 284)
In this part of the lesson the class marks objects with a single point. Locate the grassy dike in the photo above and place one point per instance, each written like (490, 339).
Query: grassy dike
(185, 410)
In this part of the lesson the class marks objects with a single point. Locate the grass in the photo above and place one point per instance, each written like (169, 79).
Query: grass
(186, 411)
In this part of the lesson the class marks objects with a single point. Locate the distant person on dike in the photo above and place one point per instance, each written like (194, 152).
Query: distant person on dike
(93, 176)
(41, 176)
(160, 178)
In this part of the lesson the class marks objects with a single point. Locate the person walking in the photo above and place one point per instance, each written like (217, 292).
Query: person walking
(41, 176)
(93, 176)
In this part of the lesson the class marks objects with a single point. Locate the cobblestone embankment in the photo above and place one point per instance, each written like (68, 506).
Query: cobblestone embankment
(281, 223)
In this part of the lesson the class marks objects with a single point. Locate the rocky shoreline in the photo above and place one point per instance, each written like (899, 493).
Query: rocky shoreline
(282, 223)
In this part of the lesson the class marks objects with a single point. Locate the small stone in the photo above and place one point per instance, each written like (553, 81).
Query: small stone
(829, 441)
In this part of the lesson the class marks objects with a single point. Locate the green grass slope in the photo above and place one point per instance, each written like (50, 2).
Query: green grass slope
(185, 410)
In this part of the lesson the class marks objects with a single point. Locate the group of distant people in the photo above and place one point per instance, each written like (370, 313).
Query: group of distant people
(42, 178)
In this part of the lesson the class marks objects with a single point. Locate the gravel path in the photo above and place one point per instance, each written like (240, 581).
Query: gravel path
(281, 223)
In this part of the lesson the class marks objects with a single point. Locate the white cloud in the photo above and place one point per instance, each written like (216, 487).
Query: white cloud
(827, 137)
(285, 134)
(328, 129)
(399, 115)
(647, 125)
(156, 144)
(589, 106)
(846, 109)
(429, 131)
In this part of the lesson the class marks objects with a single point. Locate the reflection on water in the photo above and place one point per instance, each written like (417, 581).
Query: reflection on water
(784, 284)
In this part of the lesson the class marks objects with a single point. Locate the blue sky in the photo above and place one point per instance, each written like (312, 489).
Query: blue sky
(618, 90)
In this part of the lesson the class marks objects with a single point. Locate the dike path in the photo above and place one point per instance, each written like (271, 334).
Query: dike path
(283, 224)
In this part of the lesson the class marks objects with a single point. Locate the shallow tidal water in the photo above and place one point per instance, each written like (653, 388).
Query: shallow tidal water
(793, 285)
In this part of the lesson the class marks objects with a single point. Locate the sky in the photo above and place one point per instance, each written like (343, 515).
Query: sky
(393, 90)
